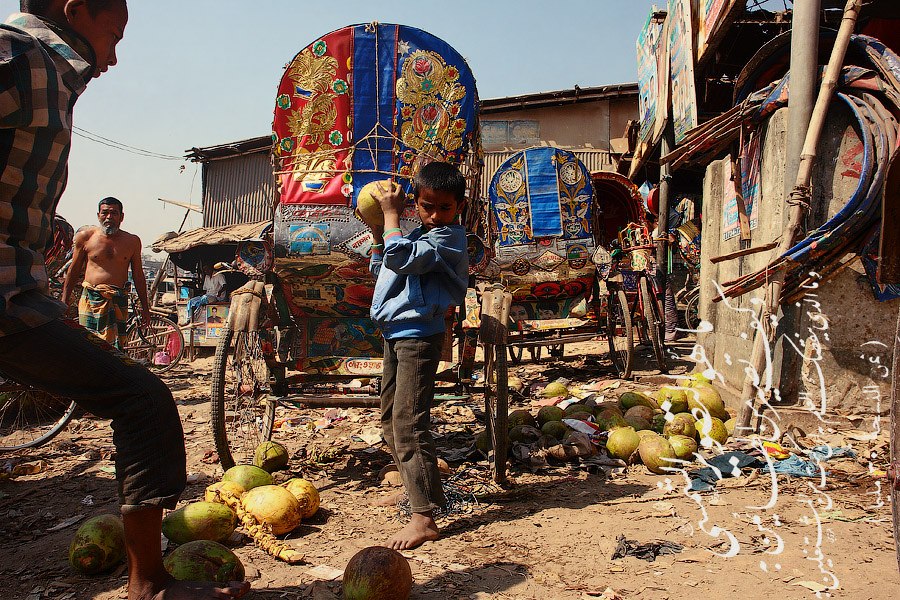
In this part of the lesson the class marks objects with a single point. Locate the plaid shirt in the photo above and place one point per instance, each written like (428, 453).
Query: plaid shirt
(41, 76)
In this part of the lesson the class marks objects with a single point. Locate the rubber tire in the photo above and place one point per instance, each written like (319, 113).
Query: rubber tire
(148, 348)
(623, 360)
(691, 313)
(654, 324)
(496, 408)
(236, 442)
(58, 412)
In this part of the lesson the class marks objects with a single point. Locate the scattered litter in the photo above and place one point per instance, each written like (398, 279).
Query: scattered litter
(67, 523)
(369, 435)
(813, 586)
(88, 500)
(648, 551)
(721, 467)
(325, 572)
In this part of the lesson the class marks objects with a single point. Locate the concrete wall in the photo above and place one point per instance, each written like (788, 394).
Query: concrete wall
(845, 334)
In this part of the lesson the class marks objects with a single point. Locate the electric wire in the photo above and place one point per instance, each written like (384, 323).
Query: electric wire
(99, 139)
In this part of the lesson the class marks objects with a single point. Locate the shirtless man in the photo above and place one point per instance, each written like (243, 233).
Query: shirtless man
(103, 255)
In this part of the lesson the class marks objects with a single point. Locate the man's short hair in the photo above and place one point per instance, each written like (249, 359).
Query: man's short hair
(110, 201)
(40, 7)
(441, 177)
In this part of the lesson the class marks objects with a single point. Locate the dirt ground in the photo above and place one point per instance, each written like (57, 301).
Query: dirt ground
(549, 534)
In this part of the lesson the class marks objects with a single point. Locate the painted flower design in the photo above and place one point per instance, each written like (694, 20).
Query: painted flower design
(452, 73)
(427, 85)
(287, 144)
(430, 113)
(454, 110)
(347, 189)
(347, 177)
(422, 66)
(336, 138)
(459, 124)
(284, 101)
(319, 48)
(406, 111)
(408, 156)
(405, 171)
(339, 86)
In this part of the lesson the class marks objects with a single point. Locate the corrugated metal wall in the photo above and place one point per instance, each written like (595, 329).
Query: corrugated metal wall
(594, 160)
(238, 190)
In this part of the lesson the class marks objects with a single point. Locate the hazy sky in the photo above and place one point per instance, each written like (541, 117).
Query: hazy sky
(205, 72)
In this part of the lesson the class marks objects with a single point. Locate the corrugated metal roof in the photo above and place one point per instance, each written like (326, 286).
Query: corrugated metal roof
(558, 98)
(240, 190)
(594, 160)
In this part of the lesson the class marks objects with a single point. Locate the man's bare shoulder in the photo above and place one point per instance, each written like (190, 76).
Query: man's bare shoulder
(84, 234)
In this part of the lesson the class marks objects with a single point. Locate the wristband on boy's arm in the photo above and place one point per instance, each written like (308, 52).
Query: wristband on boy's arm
(392, 233)
(377, 248)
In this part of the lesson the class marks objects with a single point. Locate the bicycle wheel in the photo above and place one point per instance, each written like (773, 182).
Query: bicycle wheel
(496, 407)
(30, 417)
(654, 324)
(158, 344)
(621, 351)
(242, 410)
(692, 312)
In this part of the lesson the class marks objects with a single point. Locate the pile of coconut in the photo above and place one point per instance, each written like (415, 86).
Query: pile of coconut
(650, 427)
(246, 497)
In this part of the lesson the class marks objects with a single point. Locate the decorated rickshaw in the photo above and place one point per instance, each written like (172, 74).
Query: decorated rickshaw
(361, 104)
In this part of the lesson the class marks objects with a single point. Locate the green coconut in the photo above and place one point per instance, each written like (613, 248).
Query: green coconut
(524, 434)
(515, 384)
(483, 442)
(557, 429)
(622, 442)
(521, 417)
(676, 398)
(642, 433)
(637, 423)
(684, 446)
(199, 521)
(608, 419)
(730, 425)
(681, 424)
(640, 411)
(711, 429)
(548, 414)
(577, 407)
(704, 397)
(377, 573)
(658, 424)
(98, 545)
(656, 453)
(555, 389)
(271, 456)
(204, 560)
(630, 399)
(247, 476)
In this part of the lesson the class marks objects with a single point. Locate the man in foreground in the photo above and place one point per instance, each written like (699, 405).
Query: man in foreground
(103, 255)
(48, 53)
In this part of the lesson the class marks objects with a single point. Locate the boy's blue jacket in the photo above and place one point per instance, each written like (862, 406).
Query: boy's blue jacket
(417, 279)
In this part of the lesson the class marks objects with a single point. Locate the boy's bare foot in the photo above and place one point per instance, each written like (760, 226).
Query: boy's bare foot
(421, 528)
(389, 499)
(170, 589)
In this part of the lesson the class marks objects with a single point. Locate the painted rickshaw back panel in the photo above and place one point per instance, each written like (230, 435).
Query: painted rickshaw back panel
(363, 103)
(542, 219)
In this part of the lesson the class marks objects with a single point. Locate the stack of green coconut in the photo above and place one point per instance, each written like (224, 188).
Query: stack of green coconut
(652, 428)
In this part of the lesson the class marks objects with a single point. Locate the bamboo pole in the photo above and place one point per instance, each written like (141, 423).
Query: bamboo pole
(759, 373)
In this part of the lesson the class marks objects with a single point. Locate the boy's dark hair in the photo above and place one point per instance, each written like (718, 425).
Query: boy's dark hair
(110, 201)
(441, 177)
(39, 7)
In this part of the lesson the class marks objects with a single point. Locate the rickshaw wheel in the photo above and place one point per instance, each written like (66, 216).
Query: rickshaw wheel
(692, 313)
(243, 411)
(496, 407)
(620, 353)
(30, 417)
(654, 324)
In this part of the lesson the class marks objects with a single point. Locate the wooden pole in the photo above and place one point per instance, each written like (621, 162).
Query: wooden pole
(759, 374)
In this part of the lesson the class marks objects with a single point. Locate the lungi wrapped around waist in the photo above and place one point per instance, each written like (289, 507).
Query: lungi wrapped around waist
(103, 309)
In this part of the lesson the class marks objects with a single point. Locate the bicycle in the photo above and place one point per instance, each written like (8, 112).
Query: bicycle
(158, 345)
(30, 417)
